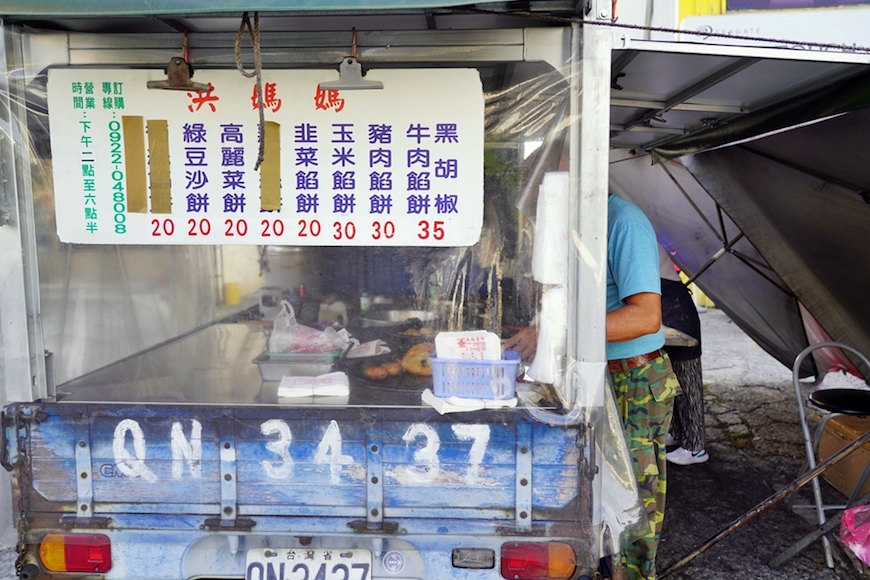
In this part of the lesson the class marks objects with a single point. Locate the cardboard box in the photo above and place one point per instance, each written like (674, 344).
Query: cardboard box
(839, 432)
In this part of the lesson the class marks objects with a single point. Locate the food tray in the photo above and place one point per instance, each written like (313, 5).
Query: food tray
(404, 318)
(404, 381)
(476, 379)
(276, 365)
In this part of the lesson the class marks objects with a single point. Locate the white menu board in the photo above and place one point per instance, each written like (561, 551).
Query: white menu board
(400, 166)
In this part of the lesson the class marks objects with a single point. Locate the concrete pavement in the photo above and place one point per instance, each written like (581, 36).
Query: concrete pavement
(756, 448)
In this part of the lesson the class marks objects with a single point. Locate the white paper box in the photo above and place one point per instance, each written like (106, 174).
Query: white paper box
(468, 345)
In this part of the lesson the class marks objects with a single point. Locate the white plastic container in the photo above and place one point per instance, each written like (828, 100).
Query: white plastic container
(468, 345)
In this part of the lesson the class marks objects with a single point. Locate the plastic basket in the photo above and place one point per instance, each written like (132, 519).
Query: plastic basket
(476, 379)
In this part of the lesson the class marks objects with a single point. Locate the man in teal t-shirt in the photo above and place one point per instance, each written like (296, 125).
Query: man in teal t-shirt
(632, 277)
(643, 380)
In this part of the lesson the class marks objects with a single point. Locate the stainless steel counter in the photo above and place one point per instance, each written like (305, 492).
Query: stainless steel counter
(213, 365)
(210, 365)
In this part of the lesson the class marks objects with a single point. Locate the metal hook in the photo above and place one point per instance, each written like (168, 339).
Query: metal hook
(178, 73)
(350, 75)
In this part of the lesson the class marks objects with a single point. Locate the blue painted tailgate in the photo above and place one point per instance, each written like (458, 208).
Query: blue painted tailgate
(168, 459)
(187, 491)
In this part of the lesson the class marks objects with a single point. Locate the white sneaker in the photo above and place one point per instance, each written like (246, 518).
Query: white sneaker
(682, 456)
(669, 440)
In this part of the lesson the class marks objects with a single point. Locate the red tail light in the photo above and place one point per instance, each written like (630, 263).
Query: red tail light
(537, 561)
(76, 553)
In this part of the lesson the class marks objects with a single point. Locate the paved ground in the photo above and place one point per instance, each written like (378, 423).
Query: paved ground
(756, 448)
(7, 563)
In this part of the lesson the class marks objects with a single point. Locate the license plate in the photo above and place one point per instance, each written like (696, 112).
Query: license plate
(307, 564)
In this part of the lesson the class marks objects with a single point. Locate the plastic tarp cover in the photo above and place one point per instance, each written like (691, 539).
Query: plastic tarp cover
(768, 211)
(690, 224)
(808, 228)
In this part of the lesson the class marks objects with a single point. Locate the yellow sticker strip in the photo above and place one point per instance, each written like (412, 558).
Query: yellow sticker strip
(158, 166)
(270, 169)
(134, 160)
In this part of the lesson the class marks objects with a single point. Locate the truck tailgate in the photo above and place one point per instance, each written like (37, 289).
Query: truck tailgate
(327, 469)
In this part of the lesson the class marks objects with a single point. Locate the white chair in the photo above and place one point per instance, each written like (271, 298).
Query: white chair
(833, 402)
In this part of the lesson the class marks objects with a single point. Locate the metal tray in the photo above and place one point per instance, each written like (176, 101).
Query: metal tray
(396, 317)
(355, 370)
(276, 365)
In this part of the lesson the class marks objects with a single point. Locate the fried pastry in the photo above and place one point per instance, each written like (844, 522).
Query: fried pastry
(416, 360)
(378, 373)
(393, 368)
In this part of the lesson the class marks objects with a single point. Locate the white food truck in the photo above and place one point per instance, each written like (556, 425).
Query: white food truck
(173, 174)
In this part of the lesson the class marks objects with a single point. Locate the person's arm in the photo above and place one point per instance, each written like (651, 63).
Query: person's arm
(525, 341)
(642, 314)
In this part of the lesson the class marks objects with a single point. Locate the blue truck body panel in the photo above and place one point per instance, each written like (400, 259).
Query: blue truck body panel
(185, 491)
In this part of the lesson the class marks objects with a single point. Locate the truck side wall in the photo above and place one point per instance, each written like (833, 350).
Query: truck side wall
(7, 532)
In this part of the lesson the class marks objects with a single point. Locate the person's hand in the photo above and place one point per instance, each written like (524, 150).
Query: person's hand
(524, 341)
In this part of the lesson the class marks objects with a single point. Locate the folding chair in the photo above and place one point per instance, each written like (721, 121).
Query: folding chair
(833, 402)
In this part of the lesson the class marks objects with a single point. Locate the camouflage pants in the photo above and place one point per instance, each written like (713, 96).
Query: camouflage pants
(645, 398)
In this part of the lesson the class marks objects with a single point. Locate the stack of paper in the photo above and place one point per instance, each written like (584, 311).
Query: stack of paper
(370, 348)
(460, 404)
(328, 385)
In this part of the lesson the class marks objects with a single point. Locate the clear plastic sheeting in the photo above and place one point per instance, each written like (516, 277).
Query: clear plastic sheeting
(618, 514)
(623, 517)
(143, 326)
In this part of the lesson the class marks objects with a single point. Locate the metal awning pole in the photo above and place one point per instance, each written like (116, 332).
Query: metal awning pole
(589, 136)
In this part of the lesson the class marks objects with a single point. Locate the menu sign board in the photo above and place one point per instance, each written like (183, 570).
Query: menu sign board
(400, 166)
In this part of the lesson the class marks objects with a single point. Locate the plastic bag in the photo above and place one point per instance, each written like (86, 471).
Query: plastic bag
(290, 336)
(855, 531)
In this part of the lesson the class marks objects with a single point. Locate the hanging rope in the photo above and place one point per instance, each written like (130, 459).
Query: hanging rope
(254, 35)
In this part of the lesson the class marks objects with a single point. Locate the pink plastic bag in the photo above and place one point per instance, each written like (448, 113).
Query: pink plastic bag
(855, 531)
(290, 336)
